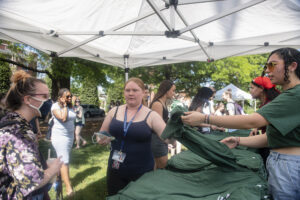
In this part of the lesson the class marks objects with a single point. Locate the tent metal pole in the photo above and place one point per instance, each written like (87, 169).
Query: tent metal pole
(126, 66)
(172, 17)
(159, 14)
(221, 15)
(112, 29)
(185, 2)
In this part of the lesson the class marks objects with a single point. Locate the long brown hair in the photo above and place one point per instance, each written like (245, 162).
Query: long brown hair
(164, 87)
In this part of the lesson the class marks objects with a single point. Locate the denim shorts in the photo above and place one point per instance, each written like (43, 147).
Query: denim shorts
(284, 176)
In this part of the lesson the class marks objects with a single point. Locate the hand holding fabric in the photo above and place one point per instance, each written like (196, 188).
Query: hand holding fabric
(231, 142)
(193, 118)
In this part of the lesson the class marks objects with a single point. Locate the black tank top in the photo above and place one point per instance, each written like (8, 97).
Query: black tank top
(137, 146)
(165, 112)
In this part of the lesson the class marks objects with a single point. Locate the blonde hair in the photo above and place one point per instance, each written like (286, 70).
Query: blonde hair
(22, 84)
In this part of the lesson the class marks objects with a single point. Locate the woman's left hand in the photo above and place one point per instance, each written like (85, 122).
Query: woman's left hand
(193, 118)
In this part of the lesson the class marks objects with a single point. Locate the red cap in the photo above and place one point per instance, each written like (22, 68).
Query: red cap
(265, 82)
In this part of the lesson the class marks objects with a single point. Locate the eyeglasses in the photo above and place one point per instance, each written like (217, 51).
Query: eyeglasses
(46, 96)
(69, 96)
(270, 66)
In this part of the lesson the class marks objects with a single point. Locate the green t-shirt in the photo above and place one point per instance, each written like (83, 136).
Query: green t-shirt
(283, 114)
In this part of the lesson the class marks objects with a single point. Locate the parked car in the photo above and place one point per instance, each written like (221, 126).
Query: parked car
(92, 110)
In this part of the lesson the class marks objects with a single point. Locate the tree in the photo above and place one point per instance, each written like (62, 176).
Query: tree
(236, 70)
(5, 74)
(89, 92)
(186, 76)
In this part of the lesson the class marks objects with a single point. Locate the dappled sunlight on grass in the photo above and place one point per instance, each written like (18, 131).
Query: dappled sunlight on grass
(87, 171)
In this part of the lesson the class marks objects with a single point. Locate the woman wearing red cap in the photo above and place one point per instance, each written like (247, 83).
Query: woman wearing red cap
(282, 118)
(261, 88)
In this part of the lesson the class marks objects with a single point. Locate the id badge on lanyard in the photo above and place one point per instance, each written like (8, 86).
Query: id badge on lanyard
(119, 156)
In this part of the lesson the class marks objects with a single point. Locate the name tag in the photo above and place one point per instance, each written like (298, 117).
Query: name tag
(119, 156)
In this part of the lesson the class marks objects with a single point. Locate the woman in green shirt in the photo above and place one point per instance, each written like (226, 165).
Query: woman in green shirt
(282, 118)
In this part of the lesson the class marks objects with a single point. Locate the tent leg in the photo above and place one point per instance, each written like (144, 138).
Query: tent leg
(126, 67)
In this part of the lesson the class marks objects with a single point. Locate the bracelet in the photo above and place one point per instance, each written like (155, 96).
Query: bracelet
(208, 121)
(238, 141)
(205, 119)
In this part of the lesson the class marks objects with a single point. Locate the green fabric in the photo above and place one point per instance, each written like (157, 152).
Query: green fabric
(214, 151)
(193, 175)
(283, 114)
(205, 185)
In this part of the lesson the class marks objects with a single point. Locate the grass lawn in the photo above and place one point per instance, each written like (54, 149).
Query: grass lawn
(87, 170)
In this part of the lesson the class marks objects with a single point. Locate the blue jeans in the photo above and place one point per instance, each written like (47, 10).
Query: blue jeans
(40, 196)
(284, 176)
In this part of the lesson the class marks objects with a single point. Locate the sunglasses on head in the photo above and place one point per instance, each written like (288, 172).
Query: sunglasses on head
(270, 66)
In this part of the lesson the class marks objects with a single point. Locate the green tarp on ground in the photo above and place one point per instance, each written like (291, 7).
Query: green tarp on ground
(207, 171)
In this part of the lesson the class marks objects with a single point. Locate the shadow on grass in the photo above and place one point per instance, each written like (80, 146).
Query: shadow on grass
(94, 191)
(82, 175)
(78, 156)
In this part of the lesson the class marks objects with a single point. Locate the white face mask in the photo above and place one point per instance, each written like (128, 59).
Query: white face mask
(44, 107)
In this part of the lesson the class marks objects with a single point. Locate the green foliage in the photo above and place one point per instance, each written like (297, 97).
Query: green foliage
(116, 90)
(5, 74)
(187, 76)
(236, 70)
(85, 69)
(89, 92)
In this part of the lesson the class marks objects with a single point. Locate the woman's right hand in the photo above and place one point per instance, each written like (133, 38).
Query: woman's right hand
(62, 101)
(103, 141)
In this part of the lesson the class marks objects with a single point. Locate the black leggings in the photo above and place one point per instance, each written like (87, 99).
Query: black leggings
(115, 182)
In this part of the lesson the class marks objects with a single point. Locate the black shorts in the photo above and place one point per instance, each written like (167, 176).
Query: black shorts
(159, 147)
(79, 124)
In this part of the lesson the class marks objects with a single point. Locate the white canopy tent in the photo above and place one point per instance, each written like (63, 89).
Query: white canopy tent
(237, 93)
(137, 33)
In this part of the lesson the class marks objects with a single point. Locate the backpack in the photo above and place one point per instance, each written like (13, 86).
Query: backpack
(238, 109)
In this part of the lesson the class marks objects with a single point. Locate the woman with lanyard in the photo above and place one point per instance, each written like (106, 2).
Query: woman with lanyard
(281, 116)
(131, 125)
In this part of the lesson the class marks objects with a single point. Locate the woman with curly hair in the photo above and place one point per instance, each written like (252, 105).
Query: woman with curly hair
(280, 116)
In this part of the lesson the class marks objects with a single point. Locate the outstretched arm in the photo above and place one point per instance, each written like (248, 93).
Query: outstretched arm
(258, 141)
(254, 120)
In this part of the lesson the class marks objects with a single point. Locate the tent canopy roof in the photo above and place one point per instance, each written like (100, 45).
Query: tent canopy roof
(237, 93)
(151, 32)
